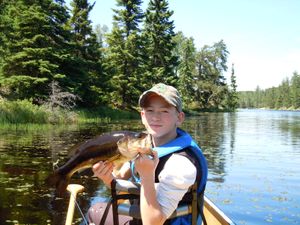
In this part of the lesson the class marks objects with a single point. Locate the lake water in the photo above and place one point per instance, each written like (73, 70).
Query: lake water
(253, 158)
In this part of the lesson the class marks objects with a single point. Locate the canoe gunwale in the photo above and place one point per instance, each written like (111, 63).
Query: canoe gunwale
(216, 212)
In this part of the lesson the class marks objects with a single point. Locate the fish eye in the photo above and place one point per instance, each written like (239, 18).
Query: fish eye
(140, 135)
(137, 135)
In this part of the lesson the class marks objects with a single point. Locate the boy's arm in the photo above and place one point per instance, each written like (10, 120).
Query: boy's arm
(177, 176)
(150, 209)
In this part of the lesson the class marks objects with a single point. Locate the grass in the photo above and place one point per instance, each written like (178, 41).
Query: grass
(104, 114)
(24, 112)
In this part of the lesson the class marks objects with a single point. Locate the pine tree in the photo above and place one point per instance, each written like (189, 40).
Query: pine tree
(6, 27)
(34, 47)
(124, 55)
(186, 52)
(295, 90)
(284, 95)
(85, 72)
(158, 34)
(232, 102)
(101, 31)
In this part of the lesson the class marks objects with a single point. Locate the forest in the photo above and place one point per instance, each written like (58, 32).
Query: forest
(286, 96)
(51, 54)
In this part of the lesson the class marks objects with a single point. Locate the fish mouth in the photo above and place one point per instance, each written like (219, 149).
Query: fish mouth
(128, 152)
(130, 147)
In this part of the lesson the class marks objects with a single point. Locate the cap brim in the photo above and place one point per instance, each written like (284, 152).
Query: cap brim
(149, 93)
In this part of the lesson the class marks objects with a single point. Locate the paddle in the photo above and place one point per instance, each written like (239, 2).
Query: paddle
(74, 189)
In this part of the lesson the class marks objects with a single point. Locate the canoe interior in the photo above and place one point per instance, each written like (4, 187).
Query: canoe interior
(213, 215)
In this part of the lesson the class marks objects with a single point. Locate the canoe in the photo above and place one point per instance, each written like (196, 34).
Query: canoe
(212, 214)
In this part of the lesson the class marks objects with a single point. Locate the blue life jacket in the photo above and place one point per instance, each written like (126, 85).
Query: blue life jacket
(183, 141)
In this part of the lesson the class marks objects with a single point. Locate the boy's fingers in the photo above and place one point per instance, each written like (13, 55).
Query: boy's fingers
(145, 150)
(101, 166)
(97, 165)
(106, 170)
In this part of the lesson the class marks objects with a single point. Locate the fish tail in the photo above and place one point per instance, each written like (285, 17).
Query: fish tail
(59, 181)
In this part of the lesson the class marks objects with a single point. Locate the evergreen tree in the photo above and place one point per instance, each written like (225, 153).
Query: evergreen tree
(295, 90)
(34, 47)
(101, 31)
(186, 52)
(258, 95)
(271, 97)
(285, 96)
(6, 27)
(232, 95)
(244, 99)
(85, 72)
(158, 35)
(124, 55)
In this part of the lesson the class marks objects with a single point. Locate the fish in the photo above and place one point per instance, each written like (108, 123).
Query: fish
(117, 147)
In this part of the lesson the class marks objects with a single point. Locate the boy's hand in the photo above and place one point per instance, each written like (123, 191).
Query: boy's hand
(146, 166)
(103, 170)
(145, 150)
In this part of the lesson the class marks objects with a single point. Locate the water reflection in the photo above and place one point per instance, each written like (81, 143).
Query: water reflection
(253, 159)
(211, 132)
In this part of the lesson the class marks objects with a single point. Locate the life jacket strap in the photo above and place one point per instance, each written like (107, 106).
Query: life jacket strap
(194, 203)
(114, 202)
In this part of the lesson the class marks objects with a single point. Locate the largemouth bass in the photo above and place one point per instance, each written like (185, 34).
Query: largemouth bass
(117, 147)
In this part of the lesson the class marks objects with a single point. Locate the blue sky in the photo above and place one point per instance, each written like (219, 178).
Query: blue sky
(262, 36)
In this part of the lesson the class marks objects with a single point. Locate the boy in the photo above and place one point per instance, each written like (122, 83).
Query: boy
(166, 180)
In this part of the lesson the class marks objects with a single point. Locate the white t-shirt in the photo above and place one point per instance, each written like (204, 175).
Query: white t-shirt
(178, 174)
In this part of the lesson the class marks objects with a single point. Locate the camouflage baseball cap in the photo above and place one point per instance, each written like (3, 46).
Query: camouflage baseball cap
(169, 93)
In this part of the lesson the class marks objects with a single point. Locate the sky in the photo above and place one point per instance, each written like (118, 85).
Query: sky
(262, 36)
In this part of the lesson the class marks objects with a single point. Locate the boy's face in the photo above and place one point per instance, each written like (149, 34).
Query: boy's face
(160, 118)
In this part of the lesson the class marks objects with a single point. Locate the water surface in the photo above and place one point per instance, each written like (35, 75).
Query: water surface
(253, 158)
